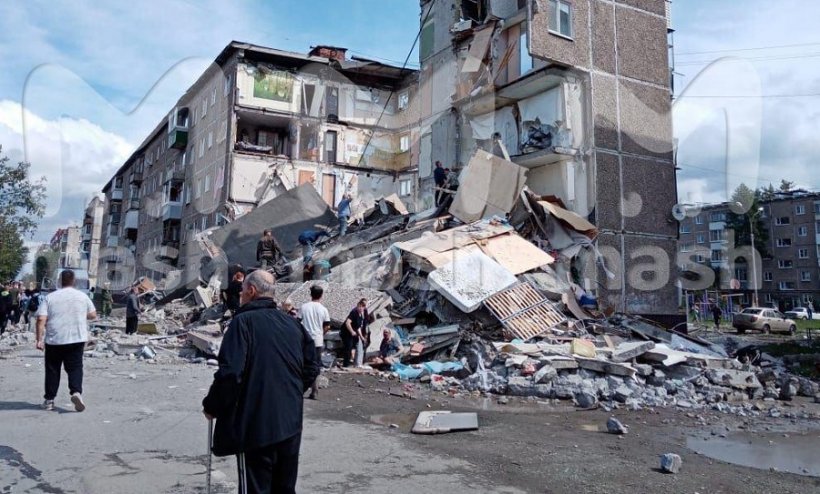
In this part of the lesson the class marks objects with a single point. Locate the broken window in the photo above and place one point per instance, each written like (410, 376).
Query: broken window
(310, 91)
(330, 146)
(404, 143)
(404, 99)
(309, 142)
(332, 103)
(560, 17)
(525, 58)
(474, 10)
(405, 187)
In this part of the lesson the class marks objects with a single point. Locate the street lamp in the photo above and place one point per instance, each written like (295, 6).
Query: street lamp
(749, 216)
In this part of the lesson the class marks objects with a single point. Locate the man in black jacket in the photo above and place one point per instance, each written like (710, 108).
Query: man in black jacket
(268, 251)
(266, 363)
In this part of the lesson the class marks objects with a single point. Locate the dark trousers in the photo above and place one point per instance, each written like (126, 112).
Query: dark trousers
(4, 320)
(130, 324)
(270, 470)
(71, 358)
(349, 343)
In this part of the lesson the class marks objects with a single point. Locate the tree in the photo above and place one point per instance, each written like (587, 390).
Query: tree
(738, 220)
(45, 262)
(786, 185)
(22, 200)
(767, 193)
(13, 252)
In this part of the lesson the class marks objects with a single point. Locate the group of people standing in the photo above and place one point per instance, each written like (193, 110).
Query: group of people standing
(446, 181)
(18, 304)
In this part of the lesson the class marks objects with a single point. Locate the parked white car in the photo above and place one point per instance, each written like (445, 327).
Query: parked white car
(801, 313)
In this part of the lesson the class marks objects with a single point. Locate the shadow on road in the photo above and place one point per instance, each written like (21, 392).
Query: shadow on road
(18, 405)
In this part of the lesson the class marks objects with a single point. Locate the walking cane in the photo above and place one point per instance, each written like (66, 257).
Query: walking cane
(210, 455)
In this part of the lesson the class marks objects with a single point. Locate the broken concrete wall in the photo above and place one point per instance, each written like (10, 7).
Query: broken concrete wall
(287, 215)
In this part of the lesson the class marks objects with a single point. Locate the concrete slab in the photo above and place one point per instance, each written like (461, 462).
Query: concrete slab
(605, 367)
(628, 350)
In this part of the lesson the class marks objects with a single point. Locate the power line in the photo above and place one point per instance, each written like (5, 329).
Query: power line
(392, 91)
(770, 47)
(754, 59)
(724, 172)
(749, 96)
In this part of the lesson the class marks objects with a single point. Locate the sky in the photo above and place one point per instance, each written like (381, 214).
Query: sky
(82, 83)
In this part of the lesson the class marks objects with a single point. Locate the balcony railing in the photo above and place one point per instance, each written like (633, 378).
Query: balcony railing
(132, 219)
(172, 210)
(178, 138)
(116, 194)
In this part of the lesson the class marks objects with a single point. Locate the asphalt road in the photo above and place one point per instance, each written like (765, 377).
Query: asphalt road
(143, 432)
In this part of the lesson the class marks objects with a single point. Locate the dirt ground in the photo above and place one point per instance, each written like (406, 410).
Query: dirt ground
(555, 449)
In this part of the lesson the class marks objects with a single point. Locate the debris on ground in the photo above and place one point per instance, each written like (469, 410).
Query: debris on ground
(671, 463)
(486, 297)
(443, 421)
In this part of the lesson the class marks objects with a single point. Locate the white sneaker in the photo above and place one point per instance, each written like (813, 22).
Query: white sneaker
(77, 399)
(48, 405)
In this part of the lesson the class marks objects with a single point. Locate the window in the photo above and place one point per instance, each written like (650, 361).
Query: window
(205, 222)
(769, 299)
(803, 253)
(204, 107)
(687, 247)
(803, 231)
(767, 276)
(405, 187)
(222, 132)
(118, 183)
(525, 59)
(186, 193)
(701, 238)
(404, 143)
(700, 258)
(201, 147)
(698, 220)
(784, 242)
(404, 99)
(805, 276)
(785, 263)
(786, 285)
(210, 139)
(560, 17)
(227, 85)
(717, 235)
(717, 255)
(782, 220)
(800, 209)
(198, 189)
(207, 182)
(807, 298)
(685, 228)
(213, 97)
(741, 274)
(717, 216)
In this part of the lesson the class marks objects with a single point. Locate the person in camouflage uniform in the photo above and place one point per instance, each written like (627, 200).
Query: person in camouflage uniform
(107, 300)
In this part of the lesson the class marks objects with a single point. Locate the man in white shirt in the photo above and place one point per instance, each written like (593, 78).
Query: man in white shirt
(62, 331)
(316, 320)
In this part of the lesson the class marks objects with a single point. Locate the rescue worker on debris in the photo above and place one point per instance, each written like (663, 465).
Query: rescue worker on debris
(268, 252)
(343, 212)
(307, 239)
(107, 300)
(439, 177)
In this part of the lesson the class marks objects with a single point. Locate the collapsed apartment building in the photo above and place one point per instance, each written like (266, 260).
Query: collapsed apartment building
(576, 93)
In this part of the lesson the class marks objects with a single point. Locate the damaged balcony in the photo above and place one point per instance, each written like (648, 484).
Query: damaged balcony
(263, 133)
(538, 117)
(178, 128)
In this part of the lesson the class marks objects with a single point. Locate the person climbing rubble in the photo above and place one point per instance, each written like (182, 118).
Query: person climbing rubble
(307, 239)
(268, 252)
(343, 212)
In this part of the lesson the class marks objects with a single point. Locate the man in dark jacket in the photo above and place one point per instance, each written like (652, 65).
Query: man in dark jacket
(307, 239)
(268, 252)
(132, 311)
(266, 363)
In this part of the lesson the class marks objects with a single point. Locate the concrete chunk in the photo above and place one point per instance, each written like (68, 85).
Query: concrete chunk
(629, 350)
(605, 367)
(733, 378)
(671, 463)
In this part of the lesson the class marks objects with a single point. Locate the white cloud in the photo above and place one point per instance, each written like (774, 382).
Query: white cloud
(788, 147)
(77, 158)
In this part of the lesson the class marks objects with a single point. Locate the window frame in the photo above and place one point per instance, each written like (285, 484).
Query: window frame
(557, 17)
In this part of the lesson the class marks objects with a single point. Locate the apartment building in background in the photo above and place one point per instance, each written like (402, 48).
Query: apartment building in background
(577, 91)
(68, 242)
(91, 232)
(790, 264)
(258, 122)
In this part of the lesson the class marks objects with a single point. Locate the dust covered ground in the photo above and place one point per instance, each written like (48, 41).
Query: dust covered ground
(143, 432)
